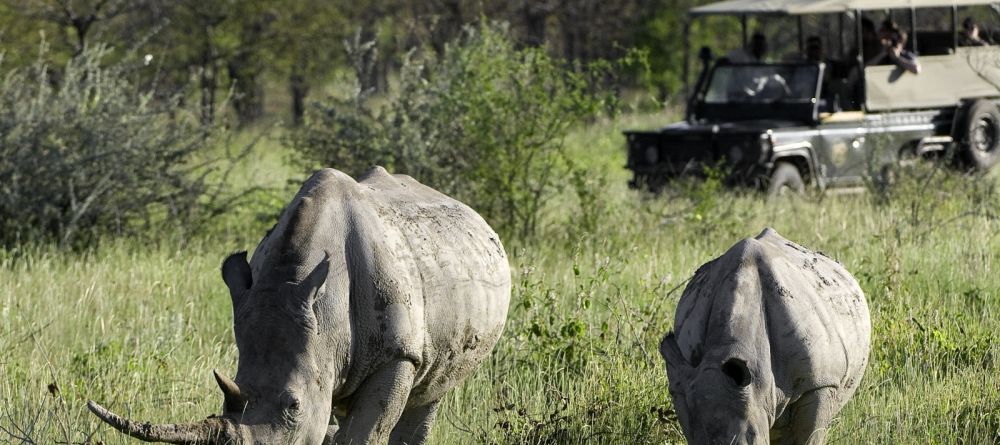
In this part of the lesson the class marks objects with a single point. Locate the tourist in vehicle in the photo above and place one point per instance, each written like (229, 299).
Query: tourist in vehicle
(893, 52)
(969, 35)
(814, 50)
(756, 52)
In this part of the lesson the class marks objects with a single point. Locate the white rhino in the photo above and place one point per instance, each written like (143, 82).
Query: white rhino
(770, 341)
(359, 310)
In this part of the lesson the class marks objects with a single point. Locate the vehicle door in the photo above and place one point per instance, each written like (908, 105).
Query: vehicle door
(841, 148)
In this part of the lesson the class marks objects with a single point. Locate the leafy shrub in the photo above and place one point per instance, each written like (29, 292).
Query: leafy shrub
(84, 152)
(484, 122)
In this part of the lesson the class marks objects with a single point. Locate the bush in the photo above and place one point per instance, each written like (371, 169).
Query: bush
(85, 152)
(485, 122)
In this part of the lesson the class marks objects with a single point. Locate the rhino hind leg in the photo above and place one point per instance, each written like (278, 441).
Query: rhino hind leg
(811, 415)
(415, 425)
(377, 405)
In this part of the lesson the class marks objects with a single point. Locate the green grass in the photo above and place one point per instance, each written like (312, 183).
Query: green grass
(139, 325)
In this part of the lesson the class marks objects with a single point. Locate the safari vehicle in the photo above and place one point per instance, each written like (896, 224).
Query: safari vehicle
(835, 122)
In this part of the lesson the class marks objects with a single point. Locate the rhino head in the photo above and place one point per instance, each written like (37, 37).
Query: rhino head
(717, 397)
(282, 389)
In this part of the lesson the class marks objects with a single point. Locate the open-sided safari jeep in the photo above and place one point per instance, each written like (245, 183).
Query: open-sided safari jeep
(787, 122)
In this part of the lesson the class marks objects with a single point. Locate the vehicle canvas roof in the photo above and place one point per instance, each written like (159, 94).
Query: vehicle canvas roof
(801, 7)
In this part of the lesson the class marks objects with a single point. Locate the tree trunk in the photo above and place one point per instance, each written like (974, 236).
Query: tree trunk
(208, 85)
(248, 100)
(245, 68)
(208, 76)
(299, 88)
(534, 23)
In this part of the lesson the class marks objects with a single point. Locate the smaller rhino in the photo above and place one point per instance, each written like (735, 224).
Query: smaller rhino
(770, 341)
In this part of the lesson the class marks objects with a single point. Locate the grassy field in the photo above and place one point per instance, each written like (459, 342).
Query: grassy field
(139, 324)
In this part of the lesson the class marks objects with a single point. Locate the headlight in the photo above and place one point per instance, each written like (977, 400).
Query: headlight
(735, 154)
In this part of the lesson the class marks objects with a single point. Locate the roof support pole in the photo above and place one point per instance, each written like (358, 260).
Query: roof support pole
(686, 74)
(802, 44)
(913, 30)
(954, 28)
(861, 58)
(843, 37)
(743, 24)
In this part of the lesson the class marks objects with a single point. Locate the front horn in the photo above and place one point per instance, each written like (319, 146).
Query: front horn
(233, 397)
(209, 431)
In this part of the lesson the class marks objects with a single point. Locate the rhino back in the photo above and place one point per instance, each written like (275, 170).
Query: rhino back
(462, 275)
(802, 314)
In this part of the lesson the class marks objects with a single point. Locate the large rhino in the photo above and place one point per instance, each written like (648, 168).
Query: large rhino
(770, 341)
(359, 310)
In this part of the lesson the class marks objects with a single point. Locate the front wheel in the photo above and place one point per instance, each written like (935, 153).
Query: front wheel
(649, 183)
(980, 147)
(785, 180)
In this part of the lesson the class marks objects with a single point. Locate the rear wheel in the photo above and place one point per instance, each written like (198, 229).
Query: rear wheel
(980, 147)
(785, 180)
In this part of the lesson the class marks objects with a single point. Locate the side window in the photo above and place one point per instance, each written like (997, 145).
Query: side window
(933, 36)
(781, 34)
(978, 25)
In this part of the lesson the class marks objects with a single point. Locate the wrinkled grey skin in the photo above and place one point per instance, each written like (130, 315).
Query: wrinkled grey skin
(363, 306)
(770, 341)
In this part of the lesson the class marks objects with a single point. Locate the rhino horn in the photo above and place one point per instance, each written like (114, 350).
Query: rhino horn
(234, 400)
(209, 431)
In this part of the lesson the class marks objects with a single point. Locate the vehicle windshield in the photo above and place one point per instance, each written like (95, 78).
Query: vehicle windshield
(740, 84)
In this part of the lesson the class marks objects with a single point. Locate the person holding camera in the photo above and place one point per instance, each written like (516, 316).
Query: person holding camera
(970, 34)
(893, 51)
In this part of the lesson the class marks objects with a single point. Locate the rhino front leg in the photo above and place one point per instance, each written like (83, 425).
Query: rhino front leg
(377, 405)
(811, 416)
(415, 425)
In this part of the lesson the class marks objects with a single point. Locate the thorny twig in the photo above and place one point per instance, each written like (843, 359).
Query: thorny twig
(61, 421)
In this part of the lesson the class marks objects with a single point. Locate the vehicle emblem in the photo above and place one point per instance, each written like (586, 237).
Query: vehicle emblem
(838, 153)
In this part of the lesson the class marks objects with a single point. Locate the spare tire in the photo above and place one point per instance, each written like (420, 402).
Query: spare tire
(980, 135)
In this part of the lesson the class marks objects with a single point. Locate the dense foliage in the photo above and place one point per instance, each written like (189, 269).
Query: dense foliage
(275, 55)
(485, 122)
(85, 152)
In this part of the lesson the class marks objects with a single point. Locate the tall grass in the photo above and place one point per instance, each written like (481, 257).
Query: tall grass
(140, 326)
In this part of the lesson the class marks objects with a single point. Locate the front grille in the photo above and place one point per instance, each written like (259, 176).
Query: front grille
(662, 154)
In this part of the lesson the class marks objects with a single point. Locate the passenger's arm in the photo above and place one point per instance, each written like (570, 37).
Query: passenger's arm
(907, 63)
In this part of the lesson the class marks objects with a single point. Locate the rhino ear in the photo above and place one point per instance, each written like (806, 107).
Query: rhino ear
(311, 285)
(672, 353)
(236, 274)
